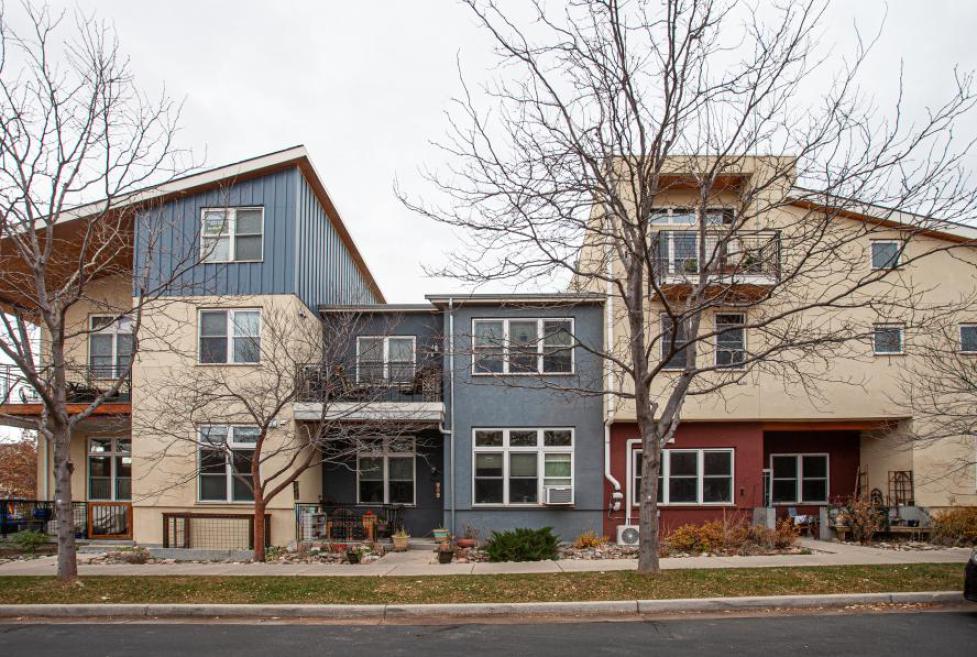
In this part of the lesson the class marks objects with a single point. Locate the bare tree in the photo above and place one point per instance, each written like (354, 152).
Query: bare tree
(78, 140)
(299, 359)
(606, 114)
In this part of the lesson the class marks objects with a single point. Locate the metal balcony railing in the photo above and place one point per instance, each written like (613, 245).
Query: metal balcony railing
(747, 257)
(84, 385)
(318, 383)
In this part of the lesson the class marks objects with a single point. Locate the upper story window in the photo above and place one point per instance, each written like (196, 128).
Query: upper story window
(230, 336)
(518, 466)
(109, 346)
(968, 338)
(887, 339)
(885, 254)
(385, 359)
(674, 360)
(730, 340)
(225, 454)
(232, 234)
(522, 346)
(689, 217)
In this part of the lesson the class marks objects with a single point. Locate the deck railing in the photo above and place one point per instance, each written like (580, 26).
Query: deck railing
(84, 385)
(744, 256)
(317, 383)
(213, 531)
(18, 515)
(339, 523)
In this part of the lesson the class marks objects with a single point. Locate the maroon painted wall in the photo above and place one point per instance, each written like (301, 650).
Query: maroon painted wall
(752, 448)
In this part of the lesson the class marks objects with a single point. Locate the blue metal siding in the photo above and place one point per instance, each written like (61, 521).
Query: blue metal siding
(487, 401)
(303, 253)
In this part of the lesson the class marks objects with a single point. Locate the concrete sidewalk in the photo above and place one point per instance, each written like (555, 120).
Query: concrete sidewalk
(422, 562)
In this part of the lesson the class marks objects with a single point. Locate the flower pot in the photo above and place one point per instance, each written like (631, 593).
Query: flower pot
(440, 535)
(353, 556)
(465, 543)
(445, 556)
(400, 543)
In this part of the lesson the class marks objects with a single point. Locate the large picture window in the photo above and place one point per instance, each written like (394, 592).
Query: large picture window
(689, 476)
(109, 346)
(110, 469)
(799, 478)
(232, 234)
(386, 471)
(224, 463)
(388, 359)
(516, 466)
(522, 346)
(230, 336)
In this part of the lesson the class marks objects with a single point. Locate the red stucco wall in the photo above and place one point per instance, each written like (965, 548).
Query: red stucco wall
(752, 449)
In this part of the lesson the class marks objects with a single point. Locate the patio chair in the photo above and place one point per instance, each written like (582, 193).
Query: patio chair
(801, 521)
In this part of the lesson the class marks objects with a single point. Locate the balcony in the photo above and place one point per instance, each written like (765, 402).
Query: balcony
(407, 393)
(747, 259)
(85, 384)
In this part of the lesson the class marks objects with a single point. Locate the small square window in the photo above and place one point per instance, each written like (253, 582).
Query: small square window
(885, 254)
(968, 338)
(887, 339)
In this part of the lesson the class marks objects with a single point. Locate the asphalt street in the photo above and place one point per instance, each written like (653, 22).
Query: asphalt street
(882, 635)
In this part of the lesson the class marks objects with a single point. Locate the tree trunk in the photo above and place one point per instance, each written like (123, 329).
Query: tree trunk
(648, 535)
(259, 529)
(63, 508)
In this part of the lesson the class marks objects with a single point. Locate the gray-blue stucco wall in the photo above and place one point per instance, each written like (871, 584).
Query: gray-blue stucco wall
(524, 402)
(302, 252)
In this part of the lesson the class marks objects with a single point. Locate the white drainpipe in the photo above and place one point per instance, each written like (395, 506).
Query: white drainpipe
(451, 408)
(616, 494)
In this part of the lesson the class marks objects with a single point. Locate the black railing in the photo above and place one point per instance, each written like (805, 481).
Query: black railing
(84, 385)
(18, 515)
(742, 256)
(317, 383)
(346, 523)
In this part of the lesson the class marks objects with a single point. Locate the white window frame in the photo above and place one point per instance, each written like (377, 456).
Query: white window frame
(540, 335)
(677, 210)
(666, 467)
(386, 355)
(113, 330)
(229, 326)
(112, 454)
(539, 449)
(231, 219)
(385, 453)
(737, 366)
(960, 335)
(871, 254)
(799, 486)
(902, 339)
(228, 448)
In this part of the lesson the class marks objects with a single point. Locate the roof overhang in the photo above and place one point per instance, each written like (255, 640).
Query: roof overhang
(515, 300)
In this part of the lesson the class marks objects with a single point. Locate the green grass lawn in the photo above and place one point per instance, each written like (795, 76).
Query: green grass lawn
(487, 588)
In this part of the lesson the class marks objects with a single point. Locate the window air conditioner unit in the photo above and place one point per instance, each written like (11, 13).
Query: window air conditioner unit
(627, 534)
(558, 494)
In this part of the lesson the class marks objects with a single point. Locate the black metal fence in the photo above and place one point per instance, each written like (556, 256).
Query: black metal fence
(18, 515)
(318, 384)
(84, 385)
(212, 531)
(344, 524)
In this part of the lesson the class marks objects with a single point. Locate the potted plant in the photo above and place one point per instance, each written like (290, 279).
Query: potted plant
(470, 539)
(353, 554)
(445, 552)
(401, 540)
(441, 535)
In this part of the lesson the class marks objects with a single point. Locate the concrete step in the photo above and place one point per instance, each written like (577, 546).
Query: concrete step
(97, 546)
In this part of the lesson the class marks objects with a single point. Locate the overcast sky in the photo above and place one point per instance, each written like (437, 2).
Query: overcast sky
(364, 84)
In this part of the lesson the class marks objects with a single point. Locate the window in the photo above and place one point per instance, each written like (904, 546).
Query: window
(232, 234)
(674, 360)
(687, 216)
(730, 340)
(225, 454)
(522, 346)
(110, 469)
(799, 478)
(885, 254)
(516, 466)
(385, 359)
(887, 339)
(109, 346)
(689, 476)
(230, 336)
(968, 338)
(385, 471)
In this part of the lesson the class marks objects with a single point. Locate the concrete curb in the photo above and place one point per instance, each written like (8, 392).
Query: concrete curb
(519, 610)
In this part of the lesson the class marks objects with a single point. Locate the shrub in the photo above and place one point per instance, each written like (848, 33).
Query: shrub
(956, 527)
(589, 540)
(731, 535)
(29, 541)
(864, 517)
(523, 544)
